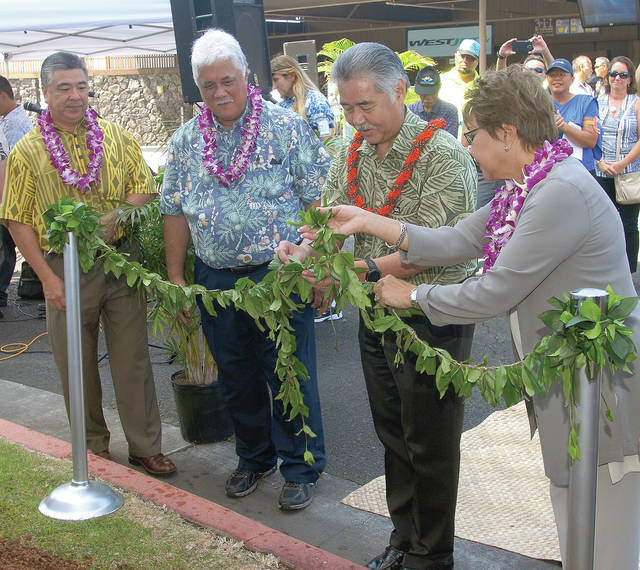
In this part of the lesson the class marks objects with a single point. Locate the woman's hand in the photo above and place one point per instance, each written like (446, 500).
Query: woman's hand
(345, 220)
(506, 49)
(539, 45)
(393, 292)
(610, 168)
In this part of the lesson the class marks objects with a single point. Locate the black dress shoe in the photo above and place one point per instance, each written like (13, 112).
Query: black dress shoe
(390, 559)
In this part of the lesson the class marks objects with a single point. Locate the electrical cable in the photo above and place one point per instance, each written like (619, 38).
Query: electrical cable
(17, 348)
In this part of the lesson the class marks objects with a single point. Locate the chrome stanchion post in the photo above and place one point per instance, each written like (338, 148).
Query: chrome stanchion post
(81, 499)
(583, 477)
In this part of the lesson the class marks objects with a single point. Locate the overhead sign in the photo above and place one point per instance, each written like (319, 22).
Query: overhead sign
(443, 42)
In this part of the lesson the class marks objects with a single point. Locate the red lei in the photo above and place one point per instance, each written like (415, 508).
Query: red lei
(407, 168)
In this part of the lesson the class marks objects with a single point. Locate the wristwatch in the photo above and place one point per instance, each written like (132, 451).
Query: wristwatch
(414, 298)
(373, 274)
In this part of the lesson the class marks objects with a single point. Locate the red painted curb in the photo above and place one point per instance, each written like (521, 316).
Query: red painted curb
(254, 535)
(35, 440)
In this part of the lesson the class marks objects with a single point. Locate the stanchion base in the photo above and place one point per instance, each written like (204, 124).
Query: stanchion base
(80, 501)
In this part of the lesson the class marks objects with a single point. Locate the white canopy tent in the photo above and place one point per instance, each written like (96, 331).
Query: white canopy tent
(33, 29)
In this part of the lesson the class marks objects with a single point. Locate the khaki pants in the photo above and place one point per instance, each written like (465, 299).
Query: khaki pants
(123, 315)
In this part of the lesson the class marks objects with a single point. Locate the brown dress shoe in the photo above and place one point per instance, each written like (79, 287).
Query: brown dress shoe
(155, 464)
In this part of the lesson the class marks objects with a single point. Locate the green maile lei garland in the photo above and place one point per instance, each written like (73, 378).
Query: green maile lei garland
(581, 336)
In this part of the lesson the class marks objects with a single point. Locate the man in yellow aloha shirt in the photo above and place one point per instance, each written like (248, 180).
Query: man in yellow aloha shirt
(461, 77)
(73, 153)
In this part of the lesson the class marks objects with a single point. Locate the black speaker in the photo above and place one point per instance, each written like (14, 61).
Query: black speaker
(243, 19)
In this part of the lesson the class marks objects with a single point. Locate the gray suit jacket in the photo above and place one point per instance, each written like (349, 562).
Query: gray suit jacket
(568, 236)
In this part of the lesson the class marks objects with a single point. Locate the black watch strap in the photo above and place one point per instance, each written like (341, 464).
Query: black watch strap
(373, 274)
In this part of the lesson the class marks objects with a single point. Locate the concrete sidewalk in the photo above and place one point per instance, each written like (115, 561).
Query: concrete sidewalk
(299, 537)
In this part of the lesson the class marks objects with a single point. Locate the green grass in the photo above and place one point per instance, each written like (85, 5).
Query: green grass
(140, 535)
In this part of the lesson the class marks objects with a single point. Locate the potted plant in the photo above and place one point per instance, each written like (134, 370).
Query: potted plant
(201, 411)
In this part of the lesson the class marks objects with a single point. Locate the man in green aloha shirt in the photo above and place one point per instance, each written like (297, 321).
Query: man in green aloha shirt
(420, 431)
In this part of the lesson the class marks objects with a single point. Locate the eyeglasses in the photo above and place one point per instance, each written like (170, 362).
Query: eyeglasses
(469, 135)
(621, 74)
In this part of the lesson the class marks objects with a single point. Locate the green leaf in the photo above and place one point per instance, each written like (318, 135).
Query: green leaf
(623, 308)
(574, 445)
(442, 381)
(590, 310)
(500, 382)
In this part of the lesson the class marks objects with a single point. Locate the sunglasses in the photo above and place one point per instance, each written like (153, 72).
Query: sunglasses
(469, 135)
(621, 74)
(538, 69)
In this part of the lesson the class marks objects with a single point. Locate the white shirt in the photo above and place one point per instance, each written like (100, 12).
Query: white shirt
(15, 125)
(578, 88)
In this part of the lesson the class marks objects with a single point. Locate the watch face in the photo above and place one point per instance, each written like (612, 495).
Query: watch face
(373, 275)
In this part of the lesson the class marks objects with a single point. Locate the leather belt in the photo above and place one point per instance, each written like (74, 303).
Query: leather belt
(241, 269)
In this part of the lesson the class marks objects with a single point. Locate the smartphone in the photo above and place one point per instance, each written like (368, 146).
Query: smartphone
(522, 46)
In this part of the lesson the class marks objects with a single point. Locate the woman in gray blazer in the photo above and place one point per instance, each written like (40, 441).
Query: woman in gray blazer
(550, 230)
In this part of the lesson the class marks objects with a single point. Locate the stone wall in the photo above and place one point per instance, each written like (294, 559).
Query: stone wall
(147, 105)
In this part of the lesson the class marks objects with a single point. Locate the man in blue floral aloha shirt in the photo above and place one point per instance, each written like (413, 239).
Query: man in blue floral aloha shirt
(235, 176)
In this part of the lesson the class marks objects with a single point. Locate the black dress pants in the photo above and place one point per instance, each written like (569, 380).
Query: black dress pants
(629, 217)
(421, 435)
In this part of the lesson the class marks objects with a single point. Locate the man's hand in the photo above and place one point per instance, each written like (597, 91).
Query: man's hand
(393, 292)
(53, 288)
(560, 123)
(317, 297)
(181, 316)
(287, 248)
(108, 223)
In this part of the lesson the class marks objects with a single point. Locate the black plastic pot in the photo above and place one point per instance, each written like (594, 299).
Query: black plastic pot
(201, 410)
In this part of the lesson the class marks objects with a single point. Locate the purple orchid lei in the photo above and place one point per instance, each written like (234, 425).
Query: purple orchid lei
(59, 157)
(509, 199)
(249, 130)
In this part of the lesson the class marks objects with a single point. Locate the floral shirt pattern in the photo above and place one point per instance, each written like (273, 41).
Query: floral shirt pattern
(441, 191)
(316, 108)
(243, 223)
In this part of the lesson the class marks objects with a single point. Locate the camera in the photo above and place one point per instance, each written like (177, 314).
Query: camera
(522, 46)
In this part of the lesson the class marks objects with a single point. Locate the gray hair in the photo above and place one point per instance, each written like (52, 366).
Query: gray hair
(579, 62)
(373, 60)
(60, 60)
(216, 45)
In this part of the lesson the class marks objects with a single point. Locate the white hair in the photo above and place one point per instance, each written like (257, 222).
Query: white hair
(216, 45)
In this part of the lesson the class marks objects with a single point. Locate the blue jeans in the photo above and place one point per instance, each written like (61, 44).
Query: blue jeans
(246, 361)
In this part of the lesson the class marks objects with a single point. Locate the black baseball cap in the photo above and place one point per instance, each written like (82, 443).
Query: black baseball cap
(427, 81)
